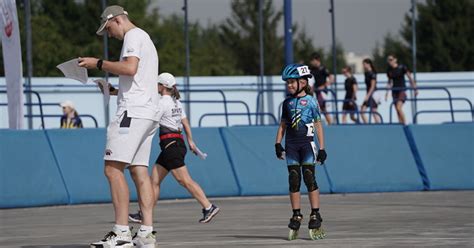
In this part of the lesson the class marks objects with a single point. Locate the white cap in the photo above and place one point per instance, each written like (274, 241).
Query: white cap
(167, 80)
(67, 103)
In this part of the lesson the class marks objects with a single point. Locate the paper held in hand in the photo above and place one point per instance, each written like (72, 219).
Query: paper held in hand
(200, 154)
(106, 90)
(71, 69)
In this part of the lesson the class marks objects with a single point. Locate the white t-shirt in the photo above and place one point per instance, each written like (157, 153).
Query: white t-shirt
(170, 113)
(138, 94)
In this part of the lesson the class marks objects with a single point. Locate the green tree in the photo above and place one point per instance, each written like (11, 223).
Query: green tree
(445, 30)
(65, 29)
(240, 34)
(391, 45)
(303, 48)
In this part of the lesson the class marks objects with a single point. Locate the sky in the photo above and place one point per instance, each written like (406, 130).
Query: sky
(359, 23)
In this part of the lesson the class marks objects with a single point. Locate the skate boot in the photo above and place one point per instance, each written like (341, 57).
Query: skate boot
(295, 223)
(314, 226)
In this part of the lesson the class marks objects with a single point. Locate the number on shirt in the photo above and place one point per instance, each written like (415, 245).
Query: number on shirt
(310, 127)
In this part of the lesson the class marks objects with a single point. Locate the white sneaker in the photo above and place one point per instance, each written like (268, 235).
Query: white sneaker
(145, 242)
(114, 240)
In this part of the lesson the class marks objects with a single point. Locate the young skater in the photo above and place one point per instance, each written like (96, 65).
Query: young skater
(300, 118)
(172, 119)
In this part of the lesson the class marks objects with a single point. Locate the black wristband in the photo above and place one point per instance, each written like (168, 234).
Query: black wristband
(99, 64)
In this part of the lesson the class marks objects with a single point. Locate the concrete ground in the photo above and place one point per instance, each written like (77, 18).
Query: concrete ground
(421, 219)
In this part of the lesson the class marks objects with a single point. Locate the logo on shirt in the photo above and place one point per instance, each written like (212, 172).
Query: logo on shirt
(108, 152)
(304, 102)
(130, 50)
(291, 103)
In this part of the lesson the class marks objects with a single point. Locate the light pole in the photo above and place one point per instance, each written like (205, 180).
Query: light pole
(188, 66)
(106, 57)
(413, 52)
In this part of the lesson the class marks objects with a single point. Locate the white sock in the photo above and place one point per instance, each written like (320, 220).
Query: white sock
(209, 208)
(120, 229)
(144, 230)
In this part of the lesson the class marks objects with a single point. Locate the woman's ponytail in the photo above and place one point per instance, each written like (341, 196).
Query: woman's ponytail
(175, 93)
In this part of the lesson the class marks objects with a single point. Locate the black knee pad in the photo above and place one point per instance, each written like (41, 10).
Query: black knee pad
(294, 178)
(309, 178)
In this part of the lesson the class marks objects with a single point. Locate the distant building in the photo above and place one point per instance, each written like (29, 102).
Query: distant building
(355, 61)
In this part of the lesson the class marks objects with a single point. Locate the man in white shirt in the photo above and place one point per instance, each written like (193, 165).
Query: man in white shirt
(130, 134)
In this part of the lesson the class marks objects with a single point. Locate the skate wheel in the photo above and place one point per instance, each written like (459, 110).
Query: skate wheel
(292, 235)
(316, 234)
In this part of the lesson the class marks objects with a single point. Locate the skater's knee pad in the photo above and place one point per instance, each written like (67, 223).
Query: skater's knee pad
(309, 178)
(294, 178)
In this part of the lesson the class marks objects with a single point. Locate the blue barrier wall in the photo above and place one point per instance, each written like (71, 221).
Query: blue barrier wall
(29, 175)
(65, 166)
(80, 154)
(447, 154)
(370, 159)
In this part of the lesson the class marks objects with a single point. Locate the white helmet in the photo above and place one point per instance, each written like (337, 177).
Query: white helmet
(167, 80)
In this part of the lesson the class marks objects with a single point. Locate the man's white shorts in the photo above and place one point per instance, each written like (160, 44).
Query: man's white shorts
(129, 140)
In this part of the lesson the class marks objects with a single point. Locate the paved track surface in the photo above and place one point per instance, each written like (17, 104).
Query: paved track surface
(421, 219)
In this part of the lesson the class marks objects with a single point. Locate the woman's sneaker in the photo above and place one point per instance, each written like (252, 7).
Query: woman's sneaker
(112, 239)
(209, 214)
(145, 242)
(137, 218)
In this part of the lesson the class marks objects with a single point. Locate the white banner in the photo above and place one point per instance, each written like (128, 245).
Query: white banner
(12, 62)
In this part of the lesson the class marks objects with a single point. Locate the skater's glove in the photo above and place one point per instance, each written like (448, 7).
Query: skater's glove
(321, 156)
(279, 150)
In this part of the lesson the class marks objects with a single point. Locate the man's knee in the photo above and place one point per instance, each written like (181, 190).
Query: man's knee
(113, 169)
(309, 178)
(294, 178)
(139, 174)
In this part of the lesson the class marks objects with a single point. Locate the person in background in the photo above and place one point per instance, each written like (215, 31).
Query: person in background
(371, 85)
(322, 80)
(350, 86)
(70, 118)
(396, 80)
(173, 121)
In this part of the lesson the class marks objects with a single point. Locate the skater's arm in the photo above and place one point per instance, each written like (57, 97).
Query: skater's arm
(371, 90)
(389, 86)
(321, 157)
(354, 95)
(319, 133)
(279, 150)
(189, 135)
(280, 132)
(330, 80)
(412, 82)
